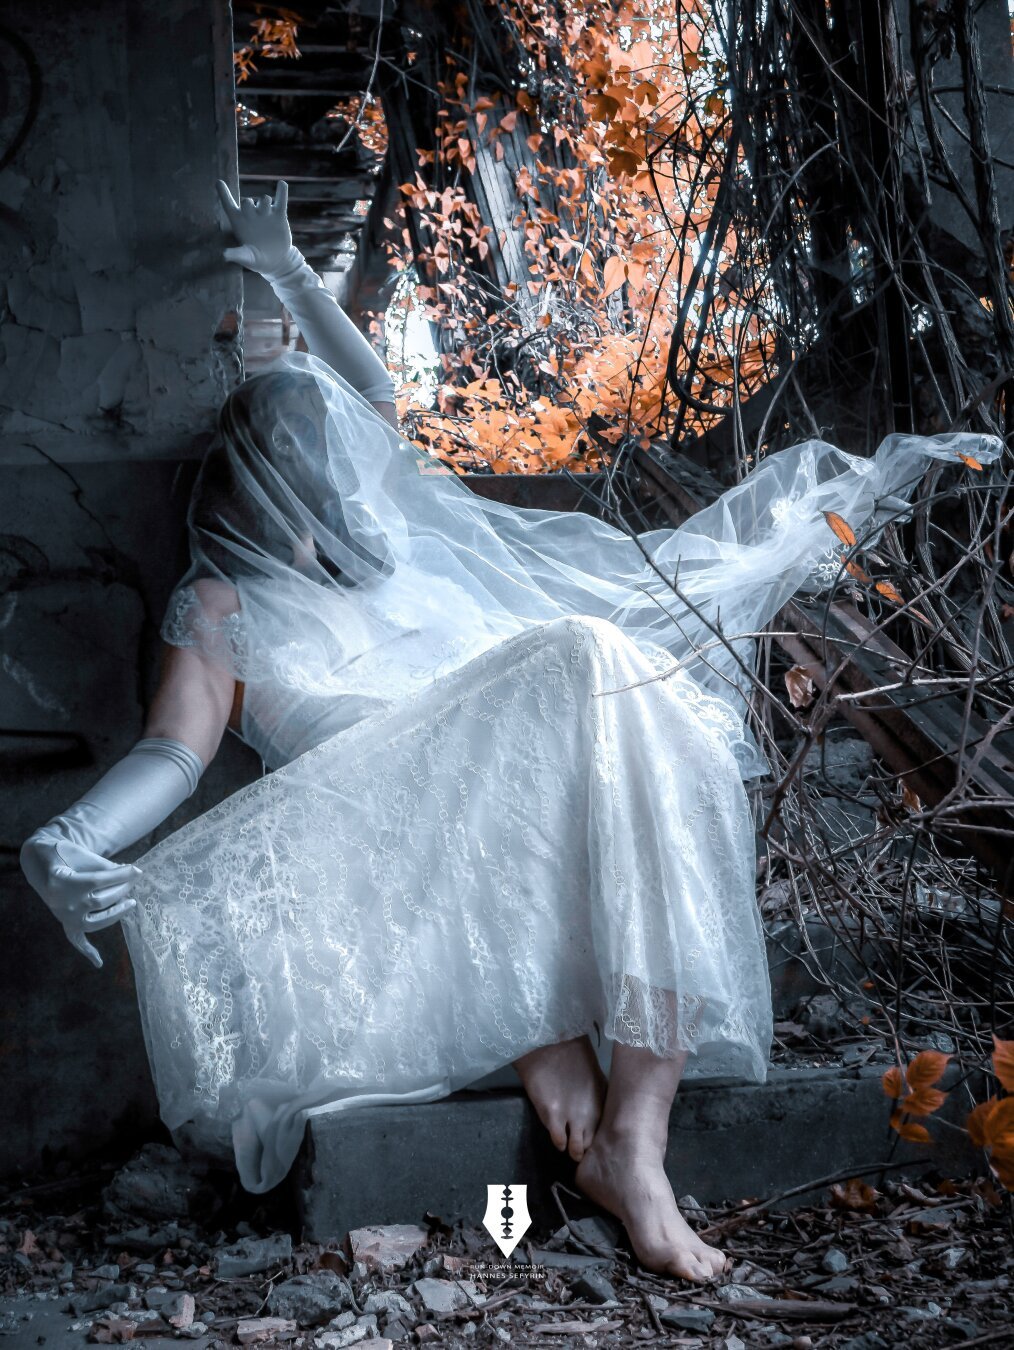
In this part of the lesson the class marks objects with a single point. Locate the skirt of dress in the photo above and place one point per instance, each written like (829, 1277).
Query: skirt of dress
(548, 841)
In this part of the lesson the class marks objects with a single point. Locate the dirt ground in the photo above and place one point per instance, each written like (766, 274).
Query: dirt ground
(153, 1252)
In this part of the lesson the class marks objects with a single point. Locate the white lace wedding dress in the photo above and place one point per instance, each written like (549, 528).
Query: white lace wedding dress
(520, 851)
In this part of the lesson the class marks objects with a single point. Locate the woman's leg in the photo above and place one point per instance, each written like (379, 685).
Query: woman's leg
(623, 1168)
(567, 1087)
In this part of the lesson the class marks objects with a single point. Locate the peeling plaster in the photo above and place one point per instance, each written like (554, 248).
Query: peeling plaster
(111, 327)
(43, 698)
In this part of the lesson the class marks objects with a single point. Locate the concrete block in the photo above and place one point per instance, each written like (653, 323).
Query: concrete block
(727, 1141)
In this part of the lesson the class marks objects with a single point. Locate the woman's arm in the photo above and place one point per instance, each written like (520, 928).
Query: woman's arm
(265, 246)
(192, 702)
(67, 860)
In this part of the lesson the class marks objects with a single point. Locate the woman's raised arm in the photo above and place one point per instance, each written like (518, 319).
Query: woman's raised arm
(265, 246)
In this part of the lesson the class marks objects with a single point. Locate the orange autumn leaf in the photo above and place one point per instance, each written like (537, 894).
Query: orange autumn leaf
(1003, 1063)
(910, 799)
(893, 1083)
(840, 527)
(1003, 1166)
(800, 686)
(969, 460)
(856, 571)
(908, 1129)
(976, 1122)
(926, 1069)
(924, 1101)
(890, 592)
(855, 1195)
(998, 1126)
(614, 275)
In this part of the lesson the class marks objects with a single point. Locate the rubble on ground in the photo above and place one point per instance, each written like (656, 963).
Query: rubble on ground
(879, 1263)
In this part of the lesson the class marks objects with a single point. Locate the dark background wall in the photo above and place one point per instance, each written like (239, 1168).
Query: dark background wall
(120, 335)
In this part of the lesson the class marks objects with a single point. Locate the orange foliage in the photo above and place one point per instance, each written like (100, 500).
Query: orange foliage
(371, 128)
(272, 37)
(585, 327)
(844, 531)
(989, 1126)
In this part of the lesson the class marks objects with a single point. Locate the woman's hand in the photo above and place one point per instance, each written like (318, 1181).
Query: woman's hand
(83, 890)
(262, 228)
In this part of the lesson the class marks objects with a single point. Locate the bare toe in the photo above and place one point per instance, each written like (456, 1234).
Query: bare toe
(713, 1259)
(555, 1122)
(567, 1087)
(578, 1143)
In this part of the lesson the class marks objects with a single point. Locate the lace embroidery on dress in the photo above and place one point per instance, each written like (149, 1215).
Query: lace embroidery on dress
(500, 861)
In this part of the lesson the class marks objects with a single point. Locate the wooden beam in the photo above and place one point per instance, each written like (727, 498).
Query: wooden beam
(315, 190)
(916, 736)
(260, 87)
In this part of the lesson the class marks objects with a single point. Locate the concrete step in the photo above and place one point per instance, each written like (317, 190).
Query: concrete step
(727, 1141)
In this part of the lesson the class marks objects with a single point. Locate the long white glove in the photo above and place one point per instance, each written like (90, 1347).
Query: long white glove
(265, 246)
(65, 860)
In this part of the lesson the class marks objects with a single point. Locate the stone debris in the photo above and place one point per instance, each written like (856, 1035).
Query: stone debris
(181, 1315)
(688, 1318)
(249, 1256)
(103, 1297)
(733, 1293)
(386, 1249)
(568, 1260)
(834, 1261)
(593, 1285)
(159, 1184)
(338, 1339)
(928, 1265)
(601, 1234)
(389, 1303)
(253, 1330)
(443, 1296)
(692, 1211)
(311, 1299)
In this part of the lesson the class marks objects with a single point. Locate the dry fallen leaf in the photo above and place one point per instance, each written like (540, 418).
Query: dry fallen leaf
(910, 798)
(800, 686)
(856, 1195)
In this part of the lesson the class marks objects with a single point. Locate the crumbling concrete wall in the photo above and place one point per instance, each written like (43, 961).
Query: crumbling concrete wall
(119, 338)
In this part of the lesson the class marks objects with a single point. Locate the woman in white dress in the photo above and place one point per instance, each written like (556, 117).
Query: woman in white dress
(496, 818)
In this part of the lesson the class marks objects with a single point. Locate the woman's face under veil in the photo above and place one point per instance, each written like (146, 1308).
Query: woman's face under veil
(267, 496)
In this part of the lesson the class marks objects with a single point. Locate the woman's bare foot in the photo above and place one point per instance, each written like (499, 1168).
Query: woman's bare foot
(623, 1172)
(567, 1087)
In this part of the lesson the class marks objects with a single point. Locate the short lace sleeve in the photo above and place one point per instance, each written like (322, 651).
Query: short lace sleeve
(206, 614)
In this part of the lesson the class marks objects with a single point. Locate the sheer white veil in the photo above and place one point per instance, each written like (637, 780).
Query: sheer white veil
(321, 539)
